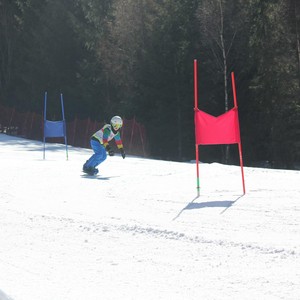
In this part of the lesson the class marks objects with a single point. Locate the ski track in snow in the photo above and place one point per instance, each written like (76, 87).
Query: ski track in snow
(138, 232)
(96, 228)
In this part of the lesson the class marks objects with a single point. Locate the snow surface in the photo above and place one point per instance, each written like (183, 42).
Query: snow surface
(138, 231)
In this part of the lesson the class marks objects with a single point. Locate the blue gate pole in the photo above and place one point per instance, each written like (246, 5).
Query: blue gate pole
(64, 122)
(45, 114)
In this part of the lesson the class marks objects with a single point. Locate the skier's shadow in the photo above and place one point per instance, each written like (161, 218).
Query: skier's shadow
(198, 205)
(97, 177)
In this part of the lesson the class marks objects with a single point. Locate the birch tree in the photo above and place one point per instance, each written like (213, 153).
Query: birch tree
(220, 23)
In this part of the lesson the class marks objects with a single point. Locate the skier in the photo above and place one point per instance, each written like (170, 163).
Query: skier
(100, 144)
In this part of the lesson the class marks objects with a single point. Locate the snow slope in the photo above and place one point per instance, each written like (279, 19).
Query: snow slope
(138, 231)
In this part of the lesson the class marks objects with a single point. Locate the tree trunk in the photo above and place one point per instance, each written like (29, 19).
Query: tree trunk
(179, 118)
(224, 69)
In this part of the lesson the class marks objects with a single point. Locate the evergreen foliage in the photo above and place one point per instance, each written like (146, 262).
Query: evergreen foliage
(135, 58)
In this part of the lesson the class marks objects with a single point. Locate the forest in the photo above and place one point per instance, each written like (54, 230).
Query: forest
(135, 58)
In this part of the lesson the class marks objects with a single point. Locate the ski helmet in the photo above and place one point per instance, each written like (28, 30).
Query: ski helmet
(116, 122)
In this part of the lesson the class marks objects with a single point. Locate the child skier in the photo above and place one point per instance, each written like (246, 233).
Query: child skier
(99, 143)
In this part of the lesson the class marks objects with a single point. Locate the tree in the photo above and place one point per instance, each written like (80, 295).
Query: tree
(275, 84)
(166, 79)
(10, 27)
(221, 23)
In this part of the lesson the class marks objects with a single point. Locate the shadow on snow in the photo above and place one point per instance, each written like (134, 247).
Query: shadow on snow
(98, 177)
(198, 205)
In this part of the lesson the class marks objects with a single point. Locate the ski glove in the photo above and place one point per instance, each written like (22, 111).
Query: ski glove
(122, 152)
(110, 151)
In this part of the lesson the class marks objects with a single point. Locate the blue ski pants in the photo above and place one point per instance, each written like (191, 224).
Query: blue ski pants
(98, 157)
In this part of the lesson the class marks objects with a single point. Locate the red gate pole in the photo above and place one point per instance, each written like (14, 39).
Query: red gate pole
(240, 143)
(196, 108)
